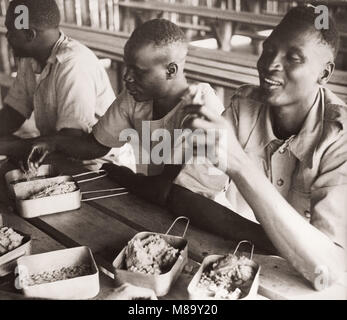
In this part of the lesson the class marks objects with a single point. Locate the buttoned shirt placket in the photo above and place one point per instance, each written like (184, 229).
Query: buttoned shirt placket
(282, 167)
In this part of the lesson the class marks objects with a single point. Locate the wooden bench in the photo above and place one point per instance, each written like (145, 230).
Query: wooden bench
(223, 70)
(219, 68)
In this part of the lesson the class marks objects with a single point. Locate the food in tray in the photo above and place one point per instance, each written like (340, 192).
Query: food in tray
(9, 240)
(230, 277)
(53, 189)
(57, 275)
(152, 255)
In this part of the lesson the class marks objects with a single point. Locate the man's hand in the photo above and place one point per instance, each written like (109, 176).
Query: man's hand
(40, 149)
(129, 292)
(217, 134)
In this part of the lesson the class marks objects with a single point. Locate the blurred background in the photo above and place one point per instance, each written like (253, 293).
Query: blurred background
(225, 36)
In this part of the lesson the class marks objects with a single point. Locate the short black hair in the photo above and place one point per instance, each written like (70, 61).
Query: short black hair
(305, 16)
(43, 14)
(159, 32)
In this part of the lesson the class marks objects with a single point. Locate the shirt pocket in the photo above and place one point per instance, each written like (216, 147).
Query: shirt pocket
(300, 191)
(301, 201)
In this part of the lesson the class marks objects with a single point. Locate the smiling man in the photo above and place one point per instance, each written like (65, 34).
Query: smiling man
(286, 157)
(287, 148)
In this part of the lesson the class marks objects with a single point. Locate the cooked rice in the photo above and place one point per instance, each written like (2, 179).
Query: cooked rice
(55, 188)
(9, 240)
(228, 278)
(152, 255)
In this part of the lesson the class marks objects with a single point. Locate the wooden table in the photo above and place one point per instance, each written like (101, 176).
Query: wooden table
(107, 225)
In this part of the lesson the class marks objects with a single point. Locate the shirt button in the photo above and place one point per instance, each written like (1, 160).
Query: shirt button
(307, 214)
(280, 182)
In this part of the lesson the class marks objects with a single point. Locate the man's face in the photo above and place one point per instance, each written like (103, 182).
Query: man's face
(16, 38)
(290, 66)
(145, 76)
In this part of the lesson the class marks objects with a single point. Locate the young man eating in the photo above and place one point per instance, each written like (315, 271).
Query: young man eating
(58, 79)
(286, 156)
(286, 148)
(156, 90)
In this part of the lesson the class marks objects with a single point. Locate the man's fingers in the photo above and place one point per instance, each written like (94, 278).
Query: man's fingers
(131, 292)
(192, 108)
(36, 157)
(199, 123)
(39, 162)
(143, 293)
(32, 154)
(203, 112)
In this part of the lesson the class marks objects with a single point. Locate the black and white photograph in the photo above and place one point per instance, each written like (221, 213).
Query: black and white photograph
(188, 151)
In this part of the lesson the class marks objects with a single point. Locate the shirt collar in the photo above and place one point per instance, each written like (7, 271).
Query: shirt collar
(304, 144)
(262, 134)
(53, 56)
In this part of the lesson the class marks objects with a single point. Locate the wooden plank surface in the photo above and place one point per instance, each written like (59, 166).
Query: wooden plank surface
(88, 226)
(106, 226)
(106, 237)
(278, 279)
(41, 242)
(95, 231)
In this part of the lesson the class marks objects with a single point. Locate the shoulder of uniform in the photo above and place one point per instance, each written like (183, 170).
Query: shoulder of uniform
(74, 50)
(335, 108)
(336, 112)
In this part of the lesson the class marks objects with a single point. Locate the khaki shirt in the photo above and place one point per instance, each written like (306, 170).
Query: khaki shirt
(309, 169)
(127, 115)
(67, 93)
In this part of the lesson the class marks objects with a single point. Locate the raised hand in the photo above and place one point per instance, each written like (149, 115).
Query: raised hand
(130, 292)
(40, 149)
(216, 133)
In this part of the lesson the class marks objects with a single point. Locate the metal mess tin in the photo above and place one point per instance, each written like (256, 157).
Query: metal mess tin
(30, 208)
(8, 260)
(196, 293)
(17, 176)
(161, 283)
(82, 287)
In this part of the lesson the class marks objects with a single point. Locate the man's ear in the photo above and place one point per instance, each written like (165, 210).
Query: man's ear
(326, 73)
(30, 34)
(171, 70)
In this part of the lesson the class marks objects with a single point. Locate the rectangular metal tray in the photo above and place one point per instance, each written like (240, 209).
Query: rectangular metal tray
(30, 208)
(8, 261)
(197, 294)
(83, 287)
(43, 172)
(160, 284)
(42, 206)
